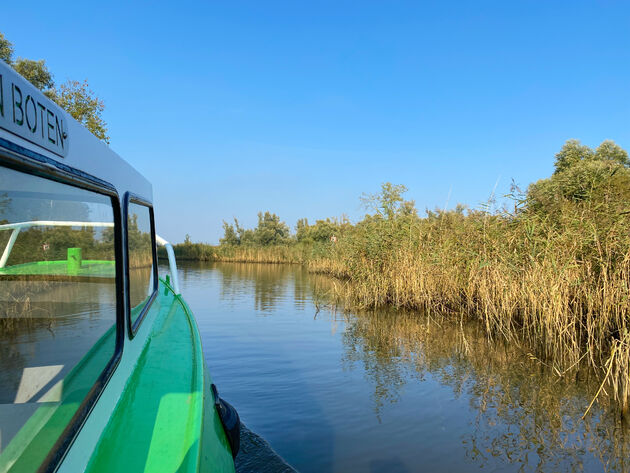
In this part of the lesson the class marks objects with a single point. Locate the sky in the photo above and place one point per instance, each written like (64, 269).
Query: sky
(231, 108)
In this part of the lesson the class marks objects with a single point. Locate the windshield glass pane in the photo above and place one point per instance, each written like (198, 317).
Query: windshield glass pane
(57, 309)
(140, 257)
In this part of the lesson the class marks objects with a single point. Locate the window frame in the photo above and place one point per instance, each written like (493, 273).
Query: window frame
(23, 160)
(133, 326)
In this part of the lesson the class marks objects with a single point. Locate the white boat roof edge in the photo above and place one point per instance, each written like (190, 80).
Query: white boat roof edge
(32, 121)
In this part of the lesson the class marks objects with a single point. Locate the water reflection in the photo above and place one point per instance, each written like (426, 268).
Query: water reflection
(525, 413)
(271, 283)
(50, 323)
(506, 411)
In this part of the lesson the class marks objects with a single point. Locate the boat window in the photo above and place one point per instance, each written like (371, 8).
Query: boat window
(57, 309)
(141, 259)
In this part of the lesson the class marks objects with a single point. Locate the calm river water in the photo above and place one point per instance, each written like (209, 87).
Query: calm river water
(387, 392)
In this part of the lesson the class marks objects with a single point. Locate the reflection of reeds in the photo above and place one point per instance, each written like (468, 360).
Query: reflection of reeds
(539, 409)
(19, 313)
(28, 305)
(619, 362)
(560, 287)
(140, 258)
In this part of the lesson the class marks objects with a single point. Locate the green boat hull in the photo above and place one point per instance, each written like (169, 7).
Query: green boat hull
(156, 414)
(165, 419)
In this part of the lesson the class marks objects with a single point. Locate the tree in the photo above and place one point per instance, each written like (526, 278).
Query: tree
(6, 50)
(302, 230)
(571, 153)
(230, 236)
(36, 72)
(612, 152)
(74, 97)
(78, 100)
(323, 230)
(270, 230)
(582, 175)
(389, 202)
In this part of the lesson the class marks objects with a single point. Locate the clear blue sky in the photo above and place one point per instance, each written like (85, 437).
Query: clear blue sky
(298, 107)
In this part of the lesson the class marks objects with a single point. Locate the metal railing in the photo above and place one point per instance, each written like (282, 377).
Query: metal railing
(171, 262)
(17, 227)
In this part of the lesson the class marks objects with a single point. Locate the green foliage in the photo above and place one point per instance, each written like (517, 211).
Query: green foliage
(582, 176)
(552, 275)
(302, 229)
(611, 152)
(230, 235)
(323, 231)
(389, 202)
(36, 72)
(78, 100)
(571, 153)
(6, 50)
(74, 97)
(270, 230)
(192, 251)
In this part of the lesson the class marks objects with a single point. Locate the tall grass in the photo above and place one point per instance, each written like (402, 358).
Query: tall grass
(277, 254)
(558, 284)
(288, 254)
(191, 252)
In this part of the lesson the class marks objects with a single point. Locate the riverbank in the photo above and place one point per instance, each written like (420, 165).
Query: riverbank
(550, 273)
(281, 254)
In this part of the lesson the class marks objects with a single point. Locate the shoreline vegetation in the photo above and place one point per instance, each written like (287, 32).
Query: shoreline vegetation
(549, 272)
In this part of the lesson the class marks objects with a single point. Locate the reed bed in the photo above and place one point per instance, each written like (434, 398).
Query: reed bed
(279, 254)
(271, 254)
(559, 286)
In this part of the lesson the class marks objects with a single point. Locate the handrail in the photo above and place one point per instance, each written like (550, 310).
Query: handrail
(54, 223)
(18, 226)
(171, 261)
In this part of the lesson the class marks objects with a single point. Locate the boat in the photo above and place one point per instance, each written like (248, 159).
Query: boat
(101, 363)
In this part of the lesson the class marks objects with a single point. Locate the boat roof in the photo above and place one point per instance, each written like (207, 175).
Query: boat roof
(32, 124)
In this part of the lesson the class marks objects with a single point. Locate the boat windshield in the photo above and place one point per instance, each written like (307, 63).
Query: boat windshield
(57, 309)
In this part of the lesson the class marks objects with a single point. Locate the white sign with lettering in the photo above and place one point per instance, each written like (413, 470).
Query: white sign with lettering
(27, 113)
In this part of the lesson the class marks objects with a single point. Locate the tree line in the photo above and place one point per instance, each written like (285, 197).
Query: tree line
(271, 231)
(581, 174)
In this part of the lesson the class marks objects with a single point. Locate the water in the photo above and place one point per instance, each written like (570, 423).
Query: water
(344, 392)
